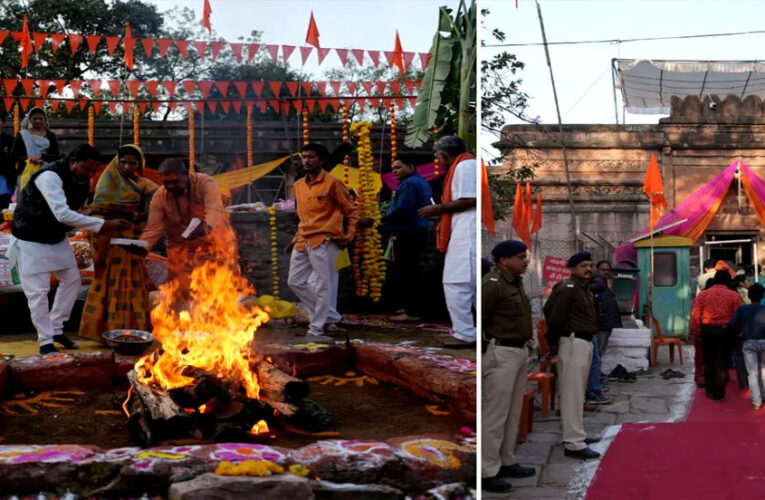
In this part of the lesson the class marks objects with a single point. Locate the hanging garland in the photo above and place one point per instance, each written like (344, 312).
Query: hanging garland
(305, 126)
(249, 135)
(16, 120)
(346, 160)
(91, 123)
(373, 269)
(191, 141)
(393, 150)
(135, 124)
(274, 250)
(435, 162)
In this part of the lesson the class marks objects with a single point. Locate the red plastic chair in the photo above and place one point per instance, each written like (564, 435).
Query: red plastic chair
(660, 340)
(527, 415)
(545, 379)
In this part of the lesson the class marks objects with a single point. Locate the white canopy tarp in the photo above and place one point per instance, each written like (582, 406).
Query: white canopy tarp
(647, 86)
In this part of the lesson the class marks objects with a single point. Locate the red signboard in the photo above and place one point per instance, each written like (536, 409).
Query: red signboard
(554, 271)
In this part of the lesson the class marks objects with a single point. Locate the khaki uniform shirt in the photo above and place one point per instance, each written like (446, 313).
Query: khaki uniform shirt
(505, 307)
(573, 309)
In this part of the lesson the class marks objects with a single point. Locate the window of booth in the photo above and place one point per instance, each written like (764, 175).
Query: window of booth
(665, 266)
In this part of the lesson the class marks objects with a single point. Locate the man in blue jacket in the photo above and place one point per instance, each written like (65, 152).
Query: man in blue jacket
(750, 320)
(410, 235)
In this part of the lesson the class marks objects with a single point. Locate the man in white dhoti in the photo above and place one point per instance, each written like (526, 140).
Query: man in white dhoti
(45, 213)
(456, 236)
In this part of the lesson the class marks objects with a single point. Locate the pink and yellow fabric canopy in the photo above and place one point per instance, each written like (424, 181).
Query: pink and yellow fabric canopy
(700, 207)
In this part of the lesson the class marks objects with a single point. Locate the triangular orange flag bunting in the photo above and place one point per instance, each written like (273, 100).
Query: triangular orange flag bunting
(54, 103)
(375, 55)
(205, 86)
(241, 87)
(151, 87)
(206, 11)
(201, 48)
(274, 51)
(215, 48)
(111, 43)
(322, 54)
(39, 39)
(75, 85)
(236, 48)
(653, 187)
(56, 39)
(183, 47)
(74, 42)
(359, 55)
(93, 41)
(169, 86)
(44, 87)
(343, 55)
(304, 53)
(95, 87)
(223, 87)
(132, 86)
(252, 50)
(164, 44)
(312, 37)
(257, 86)
(114, 87)
(287, 51)
(28, 84)
(188, 86)
(148, 46)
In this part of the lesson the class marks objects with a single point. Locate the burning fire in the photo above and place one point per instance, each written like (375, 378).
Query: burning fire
(201, 323)
(260, 427)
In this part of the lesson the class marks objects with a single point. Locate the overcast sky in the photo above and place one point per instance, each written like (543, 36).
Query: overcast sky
(582, 72)
(357, 24)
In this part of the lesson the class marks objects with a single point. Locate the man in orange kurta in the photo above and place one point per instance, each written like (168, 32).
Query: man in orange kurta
(182, 197)
(327, 224)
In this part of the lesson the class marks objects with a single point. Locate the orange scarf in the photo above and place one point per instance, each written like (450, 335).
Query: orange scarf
(444, 228)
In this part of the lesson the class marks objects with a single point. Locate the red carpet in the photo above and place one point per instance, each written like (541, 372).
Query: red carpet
(718, 453)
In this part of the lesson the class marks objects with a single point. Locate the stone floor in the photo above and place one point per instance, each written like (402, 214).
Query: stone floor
(649, 399)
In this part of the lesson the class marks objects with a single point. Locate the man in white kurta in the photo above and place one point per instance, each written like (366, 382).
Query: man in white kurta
(458, 204)
(36, 260)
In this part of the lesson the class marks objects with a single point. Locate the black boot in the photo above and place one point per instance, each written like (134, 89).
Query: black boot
(495, 484)
(516, 470)
(65, 341)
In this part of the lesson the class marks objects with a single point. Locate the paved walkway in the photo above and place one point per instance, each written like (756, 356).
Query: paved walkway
(649, 399)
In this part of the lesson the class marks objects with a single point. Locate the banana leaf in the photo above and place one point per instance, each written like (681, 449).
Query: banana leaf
(429, 98)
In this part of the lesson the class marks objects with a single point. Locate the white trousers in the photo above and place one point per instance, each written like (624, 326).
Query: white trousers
(334, 316)
(36, 287)
(575, 357)
(460, 298)
(504, 381)
(317, 298)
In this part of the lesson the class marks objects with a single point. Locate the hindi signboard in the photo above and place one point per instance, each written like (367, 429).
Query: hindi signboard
(554, 271)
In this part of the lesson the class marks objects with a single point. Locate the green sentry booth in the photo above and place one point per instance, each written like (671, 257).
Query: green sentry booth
(672, 286)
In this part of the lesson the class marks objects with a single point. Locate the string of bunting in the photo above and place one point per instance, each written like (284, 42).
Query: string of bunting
(282, 105)
(225, 88)
(34, 41)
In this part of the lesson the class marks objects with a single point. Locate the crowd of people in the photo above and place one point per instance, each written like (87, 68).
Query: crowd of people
(55, 195)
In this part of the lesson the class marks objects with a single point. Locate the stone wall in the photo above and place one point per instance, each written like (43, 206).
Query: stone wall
(607, 164)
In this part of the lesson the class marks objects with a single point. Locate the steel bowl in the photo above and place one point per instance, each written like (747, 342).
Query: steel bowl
(130, 342)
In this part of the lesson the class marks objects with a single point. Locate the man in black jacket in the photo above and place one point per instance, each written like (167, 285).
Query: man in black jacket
(46, 211)
(607, 310)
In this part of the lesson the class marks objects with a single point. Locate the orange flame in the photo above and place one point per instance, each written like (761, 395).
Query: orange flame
(200, 320)
(260, 427)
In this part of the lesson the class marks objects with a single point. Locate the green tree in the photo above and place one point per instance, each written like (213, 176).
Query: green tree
(448, 94)
(501, 99)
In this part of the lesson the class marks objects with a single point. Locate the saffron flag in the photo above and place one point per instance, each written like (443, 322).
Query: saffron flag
(312, 37)
(537, 215)
(487, 211)
(520, 224)
(654, 190)
(529, 204)
(206, 11)
(26, 43)
(398, 55)
(129, 43)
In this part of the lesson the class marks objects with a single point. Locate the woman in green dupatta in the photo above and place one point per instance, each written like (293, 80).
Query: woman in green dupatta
(118, 296)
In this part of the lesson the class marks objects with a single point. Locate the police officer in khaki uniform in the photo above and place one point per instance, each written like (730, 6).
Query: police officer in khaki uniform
(506, 319)
(571, 324)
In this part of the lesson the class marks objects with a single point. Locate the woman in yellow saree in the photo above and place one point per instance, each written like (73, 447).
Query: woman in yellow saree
(118, 296)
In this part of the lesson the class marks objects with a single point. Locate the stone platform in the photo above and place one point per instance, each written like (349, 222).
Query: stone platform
(395, 468)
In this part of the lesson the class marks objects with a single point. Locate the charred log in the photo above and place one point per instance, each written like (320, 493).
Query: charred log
(312, 417)
(277, 385)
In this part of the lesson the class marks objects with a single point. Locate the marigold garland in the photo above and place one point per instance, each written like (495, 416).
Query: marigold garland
(372, 262)
(346, 158)
(435, 162)
(393, 149)
(191, 141)
(136, 116)
(16, 120)
(274, 250)
(91, 127)
(305, 126)
(249, 134)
